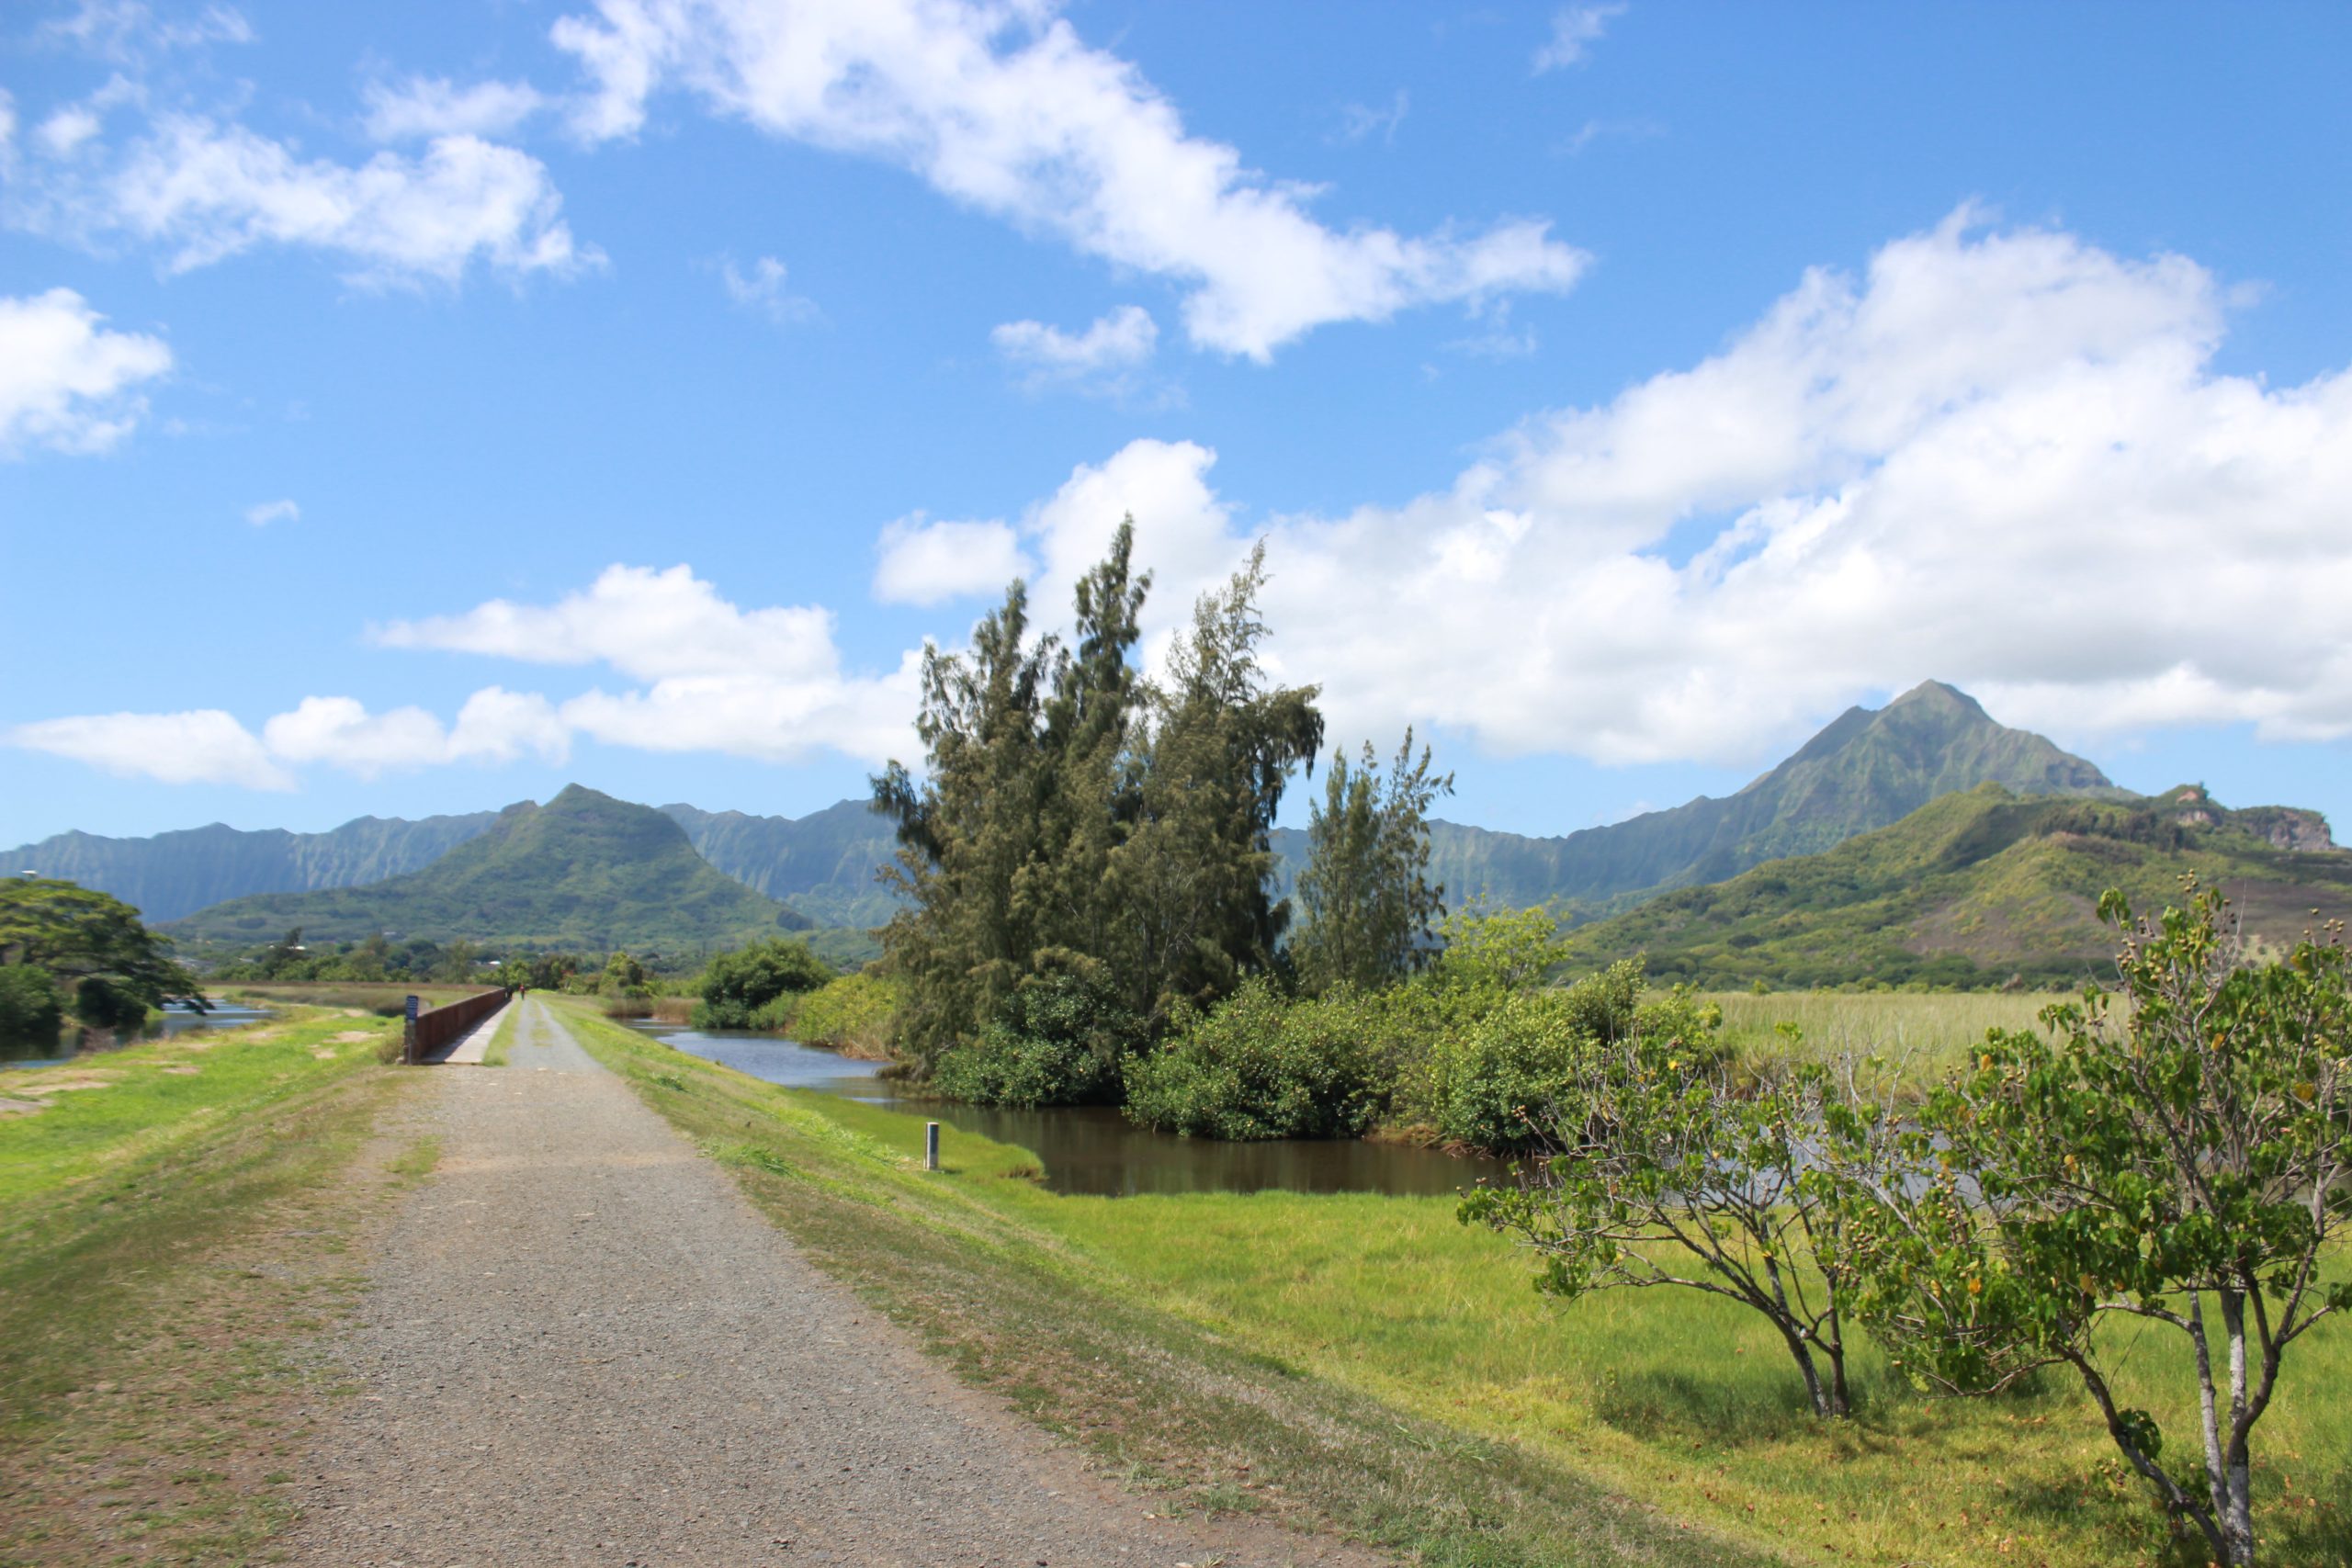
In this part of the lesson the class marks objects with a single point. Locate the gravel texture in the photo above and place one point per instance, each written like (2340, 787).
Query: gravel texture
(582, 1345)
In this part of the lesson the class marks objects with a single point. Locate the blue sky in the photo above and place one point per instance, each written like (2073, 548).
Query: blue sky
(411, 409)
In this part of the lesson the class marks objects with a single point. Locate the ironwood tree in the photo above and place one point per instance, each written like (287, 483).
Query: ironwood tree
(1365, 895)
(1087, 851)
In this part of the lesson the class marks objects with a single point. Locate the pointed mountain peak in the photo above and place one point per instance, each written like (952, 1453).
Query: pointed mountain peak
(1939, 696)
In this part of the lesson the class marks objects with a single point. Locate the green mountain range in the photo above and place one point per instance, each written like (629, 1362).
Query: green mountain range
(177, 874)
(1865, 770)
(583, 872)
(1838, 863)
(1981, 887)
(821, 864)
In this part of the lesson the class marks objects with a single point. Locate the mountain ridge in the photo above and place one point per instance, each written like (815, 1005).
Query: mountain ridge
(1865, 770)
(1977, 887)
(585, 871)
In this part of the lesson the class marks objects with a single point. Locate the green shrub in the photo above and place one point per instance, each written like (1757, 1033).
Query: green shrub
(851, 1013)
(1495, 1066)
(1263, 1066)
(29, 1013)
(738, 985)
(1060, 1039)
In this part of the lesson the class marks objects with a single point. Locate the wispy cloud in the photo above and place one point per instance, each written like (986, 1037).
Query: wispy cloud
(1575, 29)
(1101, 361)
(763, 291)
(1004, 108)
(1359, 122)
(269, 512)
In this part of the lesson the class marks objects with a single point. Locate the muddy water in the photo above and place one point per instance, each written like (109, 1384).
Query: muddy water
(1091, 1148)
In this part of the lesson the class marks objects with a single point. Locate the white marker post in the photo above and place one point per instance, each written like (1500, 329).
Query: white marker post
(931, 1145)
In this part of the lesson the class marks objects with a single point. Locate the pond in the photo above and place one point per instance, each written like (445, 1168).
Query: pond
(1092, 1149)
(176, 1021)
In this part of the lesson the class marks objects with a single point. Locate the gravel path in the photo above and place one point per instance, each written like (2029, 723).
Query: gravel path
(582, 1345)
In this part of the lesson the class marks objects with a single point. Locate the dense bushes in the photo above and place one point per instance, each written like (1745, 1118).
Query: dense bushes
(1061, 1038)
(742, 989)
(1475, 1051)
(1263, 1066)
(29, 1011)
(852, 1014)
(1494, 1072)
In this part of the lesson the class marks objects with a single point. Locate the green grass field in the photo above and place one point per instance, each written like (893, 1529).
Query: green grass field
(1396, 1313)
(172, 1219)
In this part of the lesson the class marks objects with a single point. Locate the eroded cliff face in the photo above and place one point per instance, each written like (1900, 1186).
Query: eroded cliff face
(2287, 827)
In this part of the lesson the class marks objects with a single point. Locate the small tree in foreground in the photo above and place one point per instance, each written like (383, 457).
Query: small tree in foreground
(2180, 1154)
(1669, 1170)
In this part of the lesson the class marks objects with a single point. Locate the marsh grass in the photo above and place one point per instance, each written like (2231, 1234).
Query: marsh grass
(1922, 1034)
(169, 1242)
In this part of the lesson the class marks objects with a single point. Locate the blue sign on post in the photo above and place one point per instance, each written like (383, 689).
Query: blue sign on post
(408, 1033)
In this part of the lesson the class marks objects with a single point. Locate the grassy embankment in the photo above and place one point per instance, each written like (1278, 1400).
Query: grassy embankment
(385, 1000)
(1392, 1371)
(1081, 1344)
(164, 1244)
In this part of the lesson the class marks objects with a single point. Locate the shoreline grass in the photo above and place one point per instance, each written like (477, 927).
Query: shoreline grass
(1686, 1404)
(169, 1244)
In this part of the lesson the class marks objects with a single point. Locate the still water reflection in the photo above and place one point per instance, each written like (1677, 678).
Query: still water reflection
(176, 1021)
(1094, 1149)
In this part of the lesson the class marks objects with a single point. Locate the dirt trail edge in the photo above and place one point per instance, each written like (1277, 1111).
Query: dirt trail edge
(582, 1345)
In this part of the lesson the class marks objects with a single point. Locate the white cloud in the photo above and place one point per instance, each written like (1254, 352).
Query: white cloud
(2000, 458)
(423, 108)
(210, 747)
(65, 132)
(1575, 29)
(65, 381)
(203, 746)
(763, 289)
(1100, 361)
(269, 512)
(341, 732)
(495, 725)
(206, 190)
(1004, 108)
(647, 623)
(765, 682)
(128, 32)
(928, 563)
(499, 726)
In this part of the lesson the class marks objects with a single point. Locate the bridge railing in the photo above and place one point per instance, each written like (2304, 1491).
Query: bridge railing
(426, 1034)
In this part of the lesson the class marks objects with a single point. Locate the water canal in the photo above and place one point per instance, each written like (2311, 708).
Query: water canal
(176, 1021)
(1092, 1149)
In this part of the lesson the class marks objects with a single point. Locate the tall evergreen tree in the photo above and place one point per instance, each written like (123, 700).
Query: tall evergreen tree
(1195, 873)
(1365, 891)
(1087, 851)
